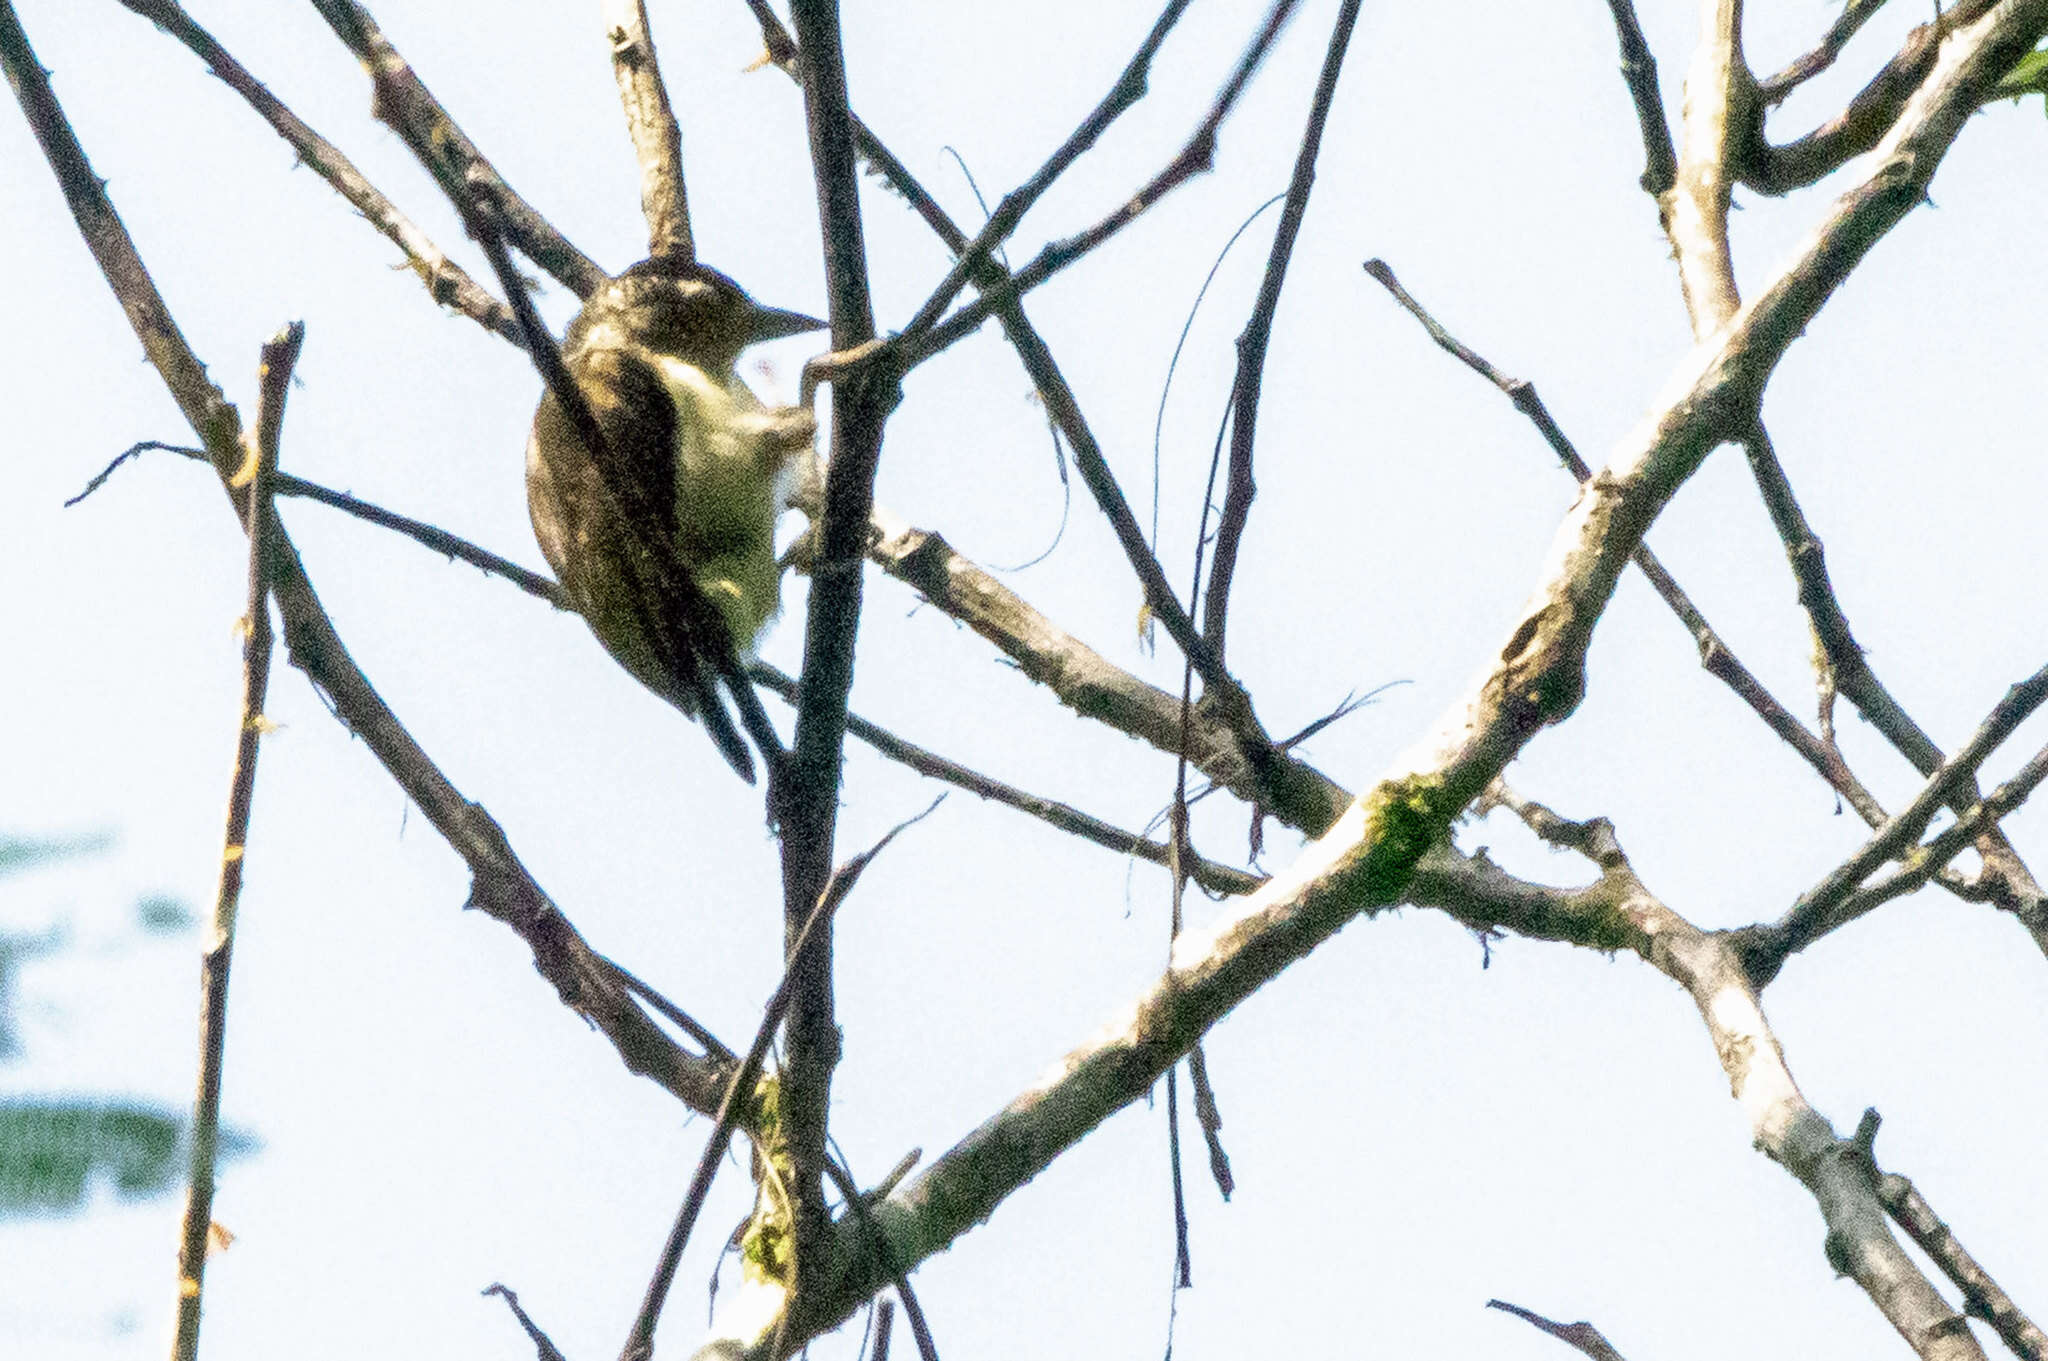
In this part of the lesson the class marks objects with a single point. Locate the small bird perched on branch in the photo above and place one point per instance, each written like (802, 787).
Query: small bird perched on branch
(695, 483)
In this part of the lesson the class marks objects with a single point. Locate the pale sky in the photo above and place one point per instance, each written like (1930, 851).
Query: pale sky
(1411, 1134)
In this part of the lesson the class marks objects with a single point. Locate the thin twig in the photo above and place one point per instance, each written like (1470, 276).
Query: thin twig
(446, 282)
(544, 1348)
(1519, 391)
(1926, 861)
(1774, 89)
(714, 1048)
(1211, 875)
(857, 1206)
(1209, 1117)
(657, 141)
(439, 540)
(1582, 1336)
(1252, 342)
(1128, 89)
(1196, 157)
(1639, 72)
(1187, 327)
(885, 1315)
(274, 373)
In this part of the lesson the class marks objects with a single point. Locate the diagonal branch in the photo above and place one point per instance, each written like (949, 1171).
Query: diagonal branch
(1982, 1296)
(1715, 656)
(1196, 157)
(1774, 89)
(1215, 877)
(1096, 688)
(1130, 87)
(391, 74)
(1767, 947)
(1807, 917)
(1581, 1336)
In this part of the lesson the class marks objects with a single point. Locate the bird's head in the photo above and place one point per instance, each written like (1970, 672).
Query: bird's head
(678, 307)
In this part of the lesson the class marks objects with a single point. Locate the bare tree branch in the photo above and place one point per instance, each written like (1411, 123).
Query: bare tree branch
(808, 936)
(1194, 158)
(426, 535)
(657, 141)
(1719, 96)
(1923, 863)
(544, 1348)
(447, 282)
(393, 78)
(1866, 120)
(1096, 688)
(1982, 1296)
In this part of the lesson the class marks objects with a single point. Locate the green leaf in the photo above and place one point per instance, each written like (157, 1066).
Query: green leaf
(2029, 76)
(20, 853)
(52, 1150)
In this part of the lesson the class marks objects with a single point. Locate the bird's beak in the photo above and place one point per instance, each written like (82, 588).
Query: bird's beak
(772, 323)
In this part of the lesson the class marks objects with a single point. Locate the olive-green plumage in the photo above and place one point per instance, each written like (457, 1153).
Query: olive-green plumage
(653, 353)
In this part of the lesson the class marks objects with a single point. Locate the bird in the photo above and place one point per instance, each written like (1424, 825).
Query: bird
(697, 471)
